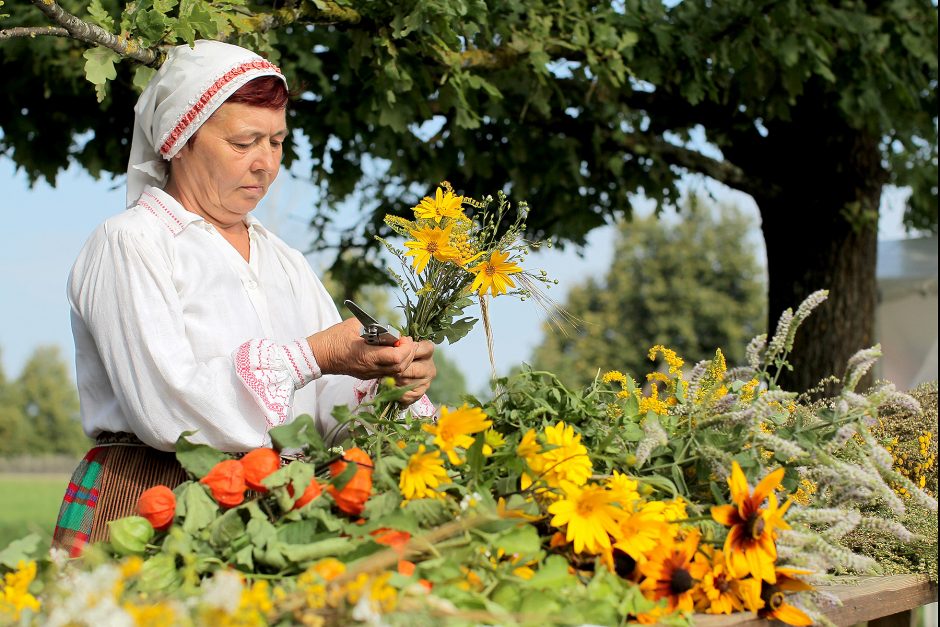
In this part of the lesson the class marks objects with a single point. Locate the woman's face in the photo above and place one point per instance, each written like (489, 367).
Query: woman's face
(225, 169)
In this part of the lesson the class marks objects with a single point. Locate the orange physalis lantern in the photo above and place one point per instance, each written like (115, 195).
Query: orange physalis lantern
(352, 498)
(313, 491)
(158, 506)
(258, 464)
(226, 481)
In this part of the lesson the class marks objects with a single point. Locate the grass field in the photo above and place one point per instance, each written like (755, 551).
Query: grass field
(30, 503)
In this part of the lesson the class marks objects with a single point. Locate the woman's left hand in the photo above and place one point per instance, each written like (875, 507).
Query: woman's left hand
(420, 373)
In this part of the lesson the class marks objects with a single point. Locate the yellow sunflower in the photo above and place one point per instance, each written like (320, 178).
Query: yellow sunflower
(493, 275)
(667, 574)
(589, 516)
(423, 474)
(775, 605)
(430, 242)
(454, 428)
(750, 547)
(445, 204)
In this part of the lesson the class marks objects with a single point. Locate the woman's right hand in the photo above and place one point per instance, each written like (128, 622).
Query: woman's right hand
(339, 350)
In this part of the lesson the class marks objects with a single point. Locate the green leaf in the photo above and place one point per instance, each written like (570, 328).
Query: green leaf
(553, 574)
(100, 16)
(196, 507)
(300, 433)
(197, 459)
(225, 529)
(330, 547)
(523, 541)
(142, 76)
(298, 532)
(22, 550)
(99, 68)
(152, 24)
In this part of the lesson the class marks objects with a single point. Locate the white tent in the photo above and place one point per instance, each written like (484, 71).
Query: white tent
(906, 317)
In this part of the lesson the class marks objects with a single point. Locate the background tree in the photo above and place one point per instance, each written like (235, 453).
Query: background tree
(691, 285)
(14, 428)
(575, 106)
(49, 402)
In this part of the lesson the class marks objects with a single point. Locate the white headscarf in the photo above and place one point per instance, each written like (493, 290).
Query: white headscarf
(186, 90)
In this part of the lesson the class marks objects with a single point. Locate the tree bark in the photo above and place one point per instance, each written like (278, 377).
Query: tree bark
(821, 232)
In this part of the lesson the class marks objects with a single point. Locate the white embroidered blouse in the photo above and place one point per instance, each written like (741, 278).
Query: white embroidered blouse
(174, 331)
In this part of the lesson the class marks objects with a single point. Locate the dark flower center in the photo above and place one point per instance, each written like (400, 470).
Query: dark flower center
(755, 526)
(681, 581)
(624, 565)
(772, 596)
(722, 584)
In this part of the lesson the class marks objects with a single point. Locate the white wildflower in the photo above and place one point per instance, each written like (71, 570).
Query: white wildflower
(754, 348)
(223, 591)
(778, 342)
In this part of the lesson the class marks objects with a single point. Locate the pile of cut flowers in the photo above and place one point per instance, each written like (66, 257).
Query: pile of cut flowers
(693, 490)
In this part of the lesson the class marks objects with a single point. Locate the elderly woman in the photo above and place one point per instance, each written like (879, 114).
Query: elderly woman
(189, 315)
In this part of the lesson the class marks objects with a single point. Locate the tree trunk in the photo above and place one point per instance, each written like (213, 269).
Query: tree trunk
(817, 182)
(821, 232)
(806, 253)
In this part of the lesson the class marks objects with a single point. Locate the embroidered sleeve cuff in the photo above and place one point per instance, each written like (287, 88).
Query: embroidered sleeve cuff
(303, 365)
(271, 373)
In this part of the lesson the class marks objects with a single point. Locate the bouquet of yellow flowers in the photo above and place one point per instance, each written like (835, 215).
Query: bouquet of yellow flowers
(457, 247)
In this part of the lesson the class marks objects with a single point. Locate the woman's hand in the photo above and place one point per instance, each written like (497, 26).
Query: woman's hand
(340, 350)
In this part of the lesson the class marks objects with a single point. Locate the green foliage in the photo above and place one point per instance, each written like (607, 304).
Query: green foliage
(691, 285)
(39, 410)
(450, 384)
(576, 106)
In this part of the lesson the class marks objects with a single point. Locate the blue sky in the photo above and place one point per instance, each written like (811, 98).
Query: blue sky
(46, 227)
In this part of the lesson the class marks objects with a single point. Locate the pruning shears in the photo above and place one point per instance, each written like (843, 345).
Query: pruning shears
(372, 331)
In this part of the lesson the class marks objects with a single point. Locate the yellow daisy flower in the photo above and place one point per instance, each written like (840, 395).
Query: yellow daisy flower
(454, 428)
(493, 275)
(423, 474)
(567, 459)
(642, 531)
(430, 242)
(589, 516)
(445, 204)
(624, 489)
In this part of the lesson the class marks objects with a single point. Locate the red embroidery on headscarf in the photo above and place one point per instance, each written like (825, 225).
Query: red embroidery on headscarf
(204, 100)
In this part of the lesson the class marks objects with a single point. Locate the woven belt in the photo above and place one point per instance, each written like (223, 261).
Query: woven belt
(122, 438)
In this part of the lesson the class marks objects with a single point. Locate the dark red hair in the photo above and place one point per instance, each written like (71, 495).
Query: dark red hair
(265, 91)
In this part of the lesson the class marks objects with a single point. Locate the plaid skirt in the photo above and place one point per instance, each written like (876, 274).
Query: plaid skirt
(106, 486)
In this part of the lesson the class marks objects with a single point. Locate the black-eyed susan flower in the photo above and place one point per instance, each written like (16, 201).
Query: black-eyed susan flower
(589, 516)
(774, 597)
(454, 428)
(423, 474)
(667, 574)
(493, 274)
(430, 242)
(445, 204)
(749, 547)
(717, 589)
